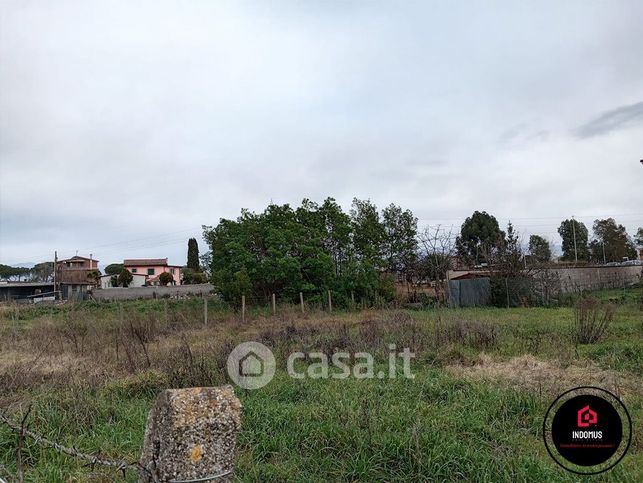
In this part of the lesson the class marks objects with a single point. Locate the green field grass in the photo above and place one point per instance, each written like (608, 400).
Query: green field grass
(484, 379)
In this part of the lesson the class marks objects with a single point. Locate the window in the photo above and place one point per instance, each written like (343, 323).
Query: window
(133, 270)
(150, 271)
(172, 271)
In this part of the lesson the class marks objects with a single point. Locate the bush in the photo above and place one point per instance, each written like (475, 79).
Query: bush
(591, 320)
(166, 278)
(125, 277)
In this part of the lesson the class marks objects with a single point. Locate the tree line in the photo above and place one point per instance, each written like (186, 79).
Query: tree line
(41, 272)
(361, 253)
(610, 243)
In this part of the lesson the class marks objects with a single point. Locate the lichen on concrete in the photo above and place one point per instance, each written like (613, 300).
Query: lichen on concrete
(191, 433)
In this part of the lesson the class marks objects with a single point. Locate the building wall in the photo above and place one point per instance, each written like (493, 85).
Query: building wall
(76, 272)
(158, 269)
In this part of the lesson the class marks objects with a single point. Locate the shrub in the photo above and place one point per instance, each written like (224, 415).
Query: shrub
(591, 320)
(166, 278)
(477, 335)
(125, 277)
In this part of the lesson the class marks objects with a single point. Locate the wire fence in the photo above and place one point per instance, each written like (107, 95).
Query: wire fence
(91, 460)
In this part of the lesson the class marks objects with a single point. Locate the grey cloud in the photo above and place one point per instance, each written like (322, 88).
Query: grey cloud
(122, 121)
(619, 118)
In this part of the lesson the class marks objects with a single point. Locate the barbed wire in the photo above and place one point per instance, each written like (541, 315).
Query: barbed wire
(204, 478)
(92, 459)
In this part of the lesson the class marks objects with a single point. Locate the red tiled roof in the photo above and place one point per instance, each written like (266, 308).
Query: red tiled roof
(144, 262)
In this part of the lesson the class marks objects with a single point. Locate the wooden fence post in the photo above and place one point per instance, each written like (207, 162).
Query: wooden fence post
(301, 301)
(330, 302)
(353, 299)
(274, 305)
(243, 308)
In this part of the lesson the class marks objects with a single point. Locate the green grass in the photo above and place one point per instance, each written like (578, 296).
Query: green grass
(436, 427)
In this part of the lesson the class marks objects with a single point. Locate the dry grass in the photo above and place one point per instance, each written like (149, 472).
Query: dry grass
(551, 377)
(92, 373)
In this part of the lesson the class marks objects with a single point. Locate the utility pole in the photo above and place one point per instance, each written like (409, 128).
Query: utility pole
(574, 232)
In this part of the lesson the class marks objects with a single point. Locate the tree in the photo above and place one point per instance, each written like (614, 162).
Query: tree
(438, 250)
(42, 272)
(192, 277)
(539, 249)
(611, 242)
(205, 261)
(125, 277)
(508, 258)
(193, 255)
(638, 239)
(574, 235)
(335, 233)
(480, 234)
(114, 268)
(511, 281)
(93, 276)
(368, 231)
(310, 249)
(400, 240)
(7, 272)
(166, 278)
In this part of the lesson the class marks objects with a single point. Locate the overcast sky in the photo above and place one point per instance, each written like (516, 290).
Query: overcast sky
(125, 126)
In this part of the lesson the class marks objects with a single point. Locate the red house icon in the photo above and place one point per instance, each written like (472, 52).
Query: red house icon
(586, 417)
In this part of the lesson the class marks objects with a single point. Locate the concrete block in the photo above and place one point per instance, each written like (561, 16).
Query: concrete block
(191, 434)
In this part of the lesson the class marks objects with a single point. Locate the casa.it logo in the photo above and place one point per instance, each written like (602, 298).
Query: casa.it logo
(251, 365)
(586, 417)
(578, 439)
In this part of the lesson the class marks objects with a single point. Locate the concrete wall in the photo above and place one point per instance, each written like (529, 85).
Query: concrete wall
(138, 280)
(132, 293)
(596, 278)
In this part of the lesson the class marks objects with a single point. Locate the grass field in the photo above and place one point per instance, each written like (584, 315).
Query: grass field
(484, 379)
